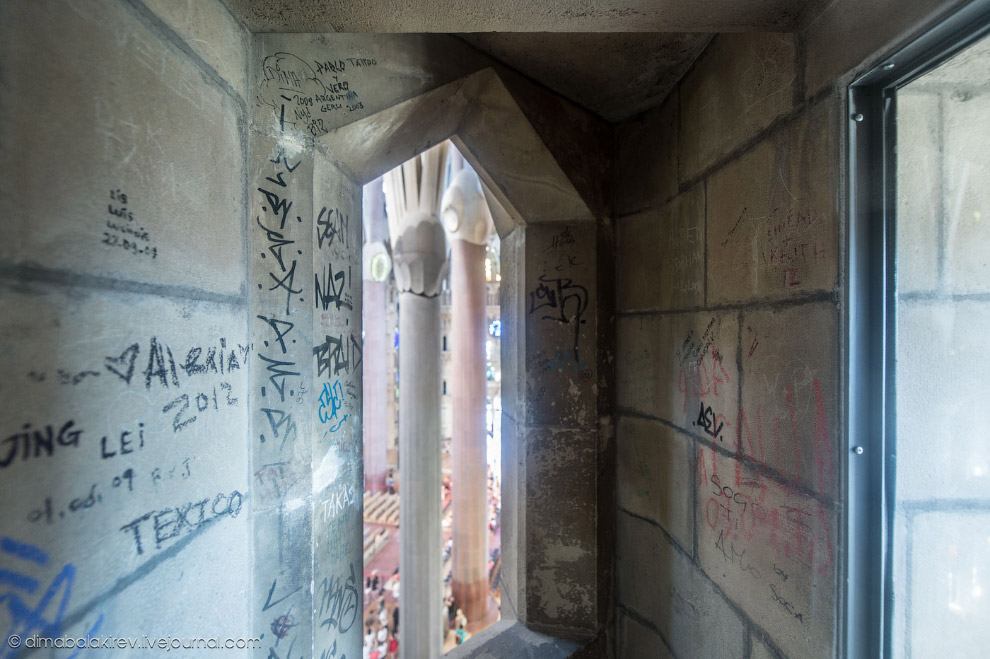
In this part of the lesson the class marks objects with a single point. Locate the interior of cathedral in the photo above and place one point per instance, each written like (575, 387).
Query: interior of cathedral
(640, 328)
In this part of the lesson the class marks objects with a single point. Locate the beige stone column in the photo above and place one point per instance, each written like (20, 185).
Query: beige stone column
(420, 259)
(467, 220)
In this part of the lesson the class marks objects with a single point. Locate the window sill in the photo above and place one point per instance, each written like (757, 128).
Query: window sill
(508, 638)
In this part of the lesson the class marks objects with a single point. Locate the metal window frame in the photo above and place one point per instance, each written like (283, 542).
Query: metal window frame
(871, 324)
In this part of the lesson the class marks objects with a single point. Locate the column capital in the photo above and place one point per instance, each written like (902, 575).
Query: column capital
(419, 254)
(464, 210)
(375, 262)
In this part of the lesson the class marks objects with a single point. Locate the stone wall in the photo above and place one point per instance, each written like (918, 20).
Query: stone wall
(125, 488)
(355, 106)
(730, 436)
(727, 361)
(557, 424)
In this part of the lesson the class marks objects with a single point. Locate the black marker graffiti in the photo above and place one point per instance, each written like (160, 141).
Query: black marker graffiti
(332, 290)
(36, 443)
(332, 225)
(170, 523)
(707, 420)
(339, 601)
(163, 369)
(337, 354)
(562, 301)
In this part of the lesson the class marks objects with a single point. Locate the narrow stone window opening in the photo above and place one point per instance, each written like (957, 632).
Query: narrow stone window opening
(433, 254)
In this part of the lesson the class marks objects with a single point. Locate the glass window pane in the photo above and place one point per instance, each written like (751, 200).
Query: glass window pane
(941, 543)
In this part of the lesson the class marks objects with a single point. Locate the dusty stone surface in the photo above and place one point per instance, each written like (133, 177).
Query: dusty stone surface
(772, 550)
(773, 216)
(212, 33)
(700, 396)
(693, 384)
(767, 530)
(789, 417)
(358, 146)
(637, 640)
(124, 467)
(305, 248)
(558, 16)
(580, 142)
(128, 439)
(682, 250)
(96, 180)
(582, 67)
(637, 364)
(561, 325)
(511, 639)
(513, 442)
(844, 34)
(656, 466)
(561, 553)
(767, 221)
(637, 264)
(513, 571)
(334, 80)
(760, 650)
(899, 636)
(741, 84)
(504, 224)
(518, 167)
(520, 175)
(662, 585)
(646, 161)
(283, 412)
(336, 406)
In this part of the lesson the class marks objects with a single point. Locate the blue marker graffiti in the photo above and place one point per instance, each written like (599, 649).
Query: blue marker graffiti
(331, 402)
(562, 360)
(14, 583)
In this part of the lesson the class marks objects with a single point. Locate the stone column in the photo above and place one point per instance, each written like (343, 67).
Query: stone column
(467, 221)
(419, 257)
(375, 271)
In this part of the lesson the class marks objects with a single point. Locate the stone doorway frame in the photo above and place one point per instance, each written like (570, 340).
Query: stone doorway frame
(556, 446)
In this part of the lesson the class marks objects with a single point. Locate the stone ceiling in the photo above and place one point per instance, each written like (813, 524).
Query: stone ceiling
(614, 58)
(615, 75)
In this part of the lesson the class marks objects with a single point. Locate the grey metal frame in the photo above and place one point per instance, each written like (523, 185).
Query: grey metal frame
(871, 324)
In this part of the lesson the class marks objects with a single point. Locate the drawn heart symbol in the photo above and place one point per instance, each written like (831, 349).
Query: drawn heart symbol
(127, 357)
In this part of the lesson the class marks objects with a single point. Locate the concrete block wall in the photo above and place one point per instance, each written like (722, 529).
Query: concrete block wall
(729, 289)
(125, 491)
(727, 362)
